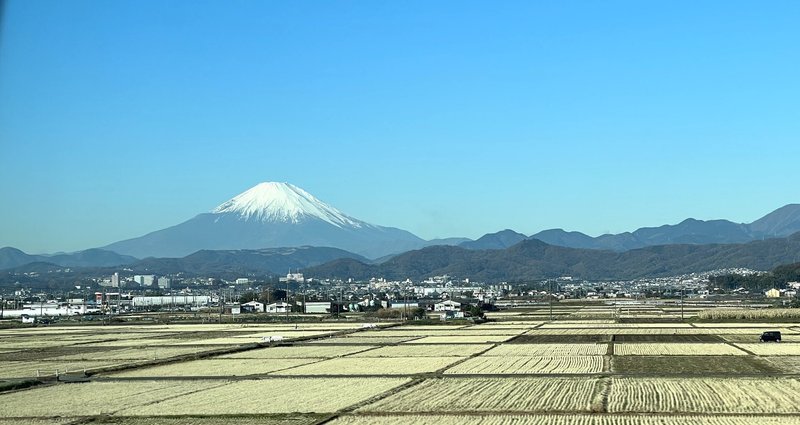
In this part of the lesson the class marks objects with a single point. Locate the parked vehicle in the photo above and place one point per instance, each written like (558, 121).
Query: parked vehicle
(770, 336)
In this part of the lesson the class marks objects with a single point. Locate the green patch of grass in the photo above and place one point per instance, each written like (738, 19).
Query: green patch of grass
(680, 365)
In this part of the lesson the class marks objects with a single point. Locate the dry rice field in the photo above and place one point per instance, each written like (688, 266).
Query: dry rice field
(495, 395)
(676, 349)
(567, 419)
(782, 349)
(528, 365)
(705, 395)
(216, 367)
(372, 366)
(300, 352)
(284, 395)
(585, 368)
(433, 350)
(546, 349)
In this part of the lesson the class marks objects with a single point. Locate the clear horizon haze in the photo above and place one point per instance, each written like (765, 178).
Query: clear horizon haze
(446, 119)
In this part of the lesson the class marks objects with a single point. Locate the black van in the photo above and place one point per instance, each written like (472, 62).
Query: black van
(770, 336)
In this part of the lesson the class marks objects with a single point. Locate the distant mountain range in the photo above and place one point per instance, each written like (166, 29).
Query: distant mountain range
(526, 260)
(229, 263)
(270, 215)
(12, 257)
(244, 262)
(534, 259)
(249, 233)
(780, 223)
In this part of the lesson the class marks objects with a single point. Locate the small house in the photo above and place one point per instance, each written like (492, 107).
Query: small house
(447, 305)
(253, 307)
(279, 307)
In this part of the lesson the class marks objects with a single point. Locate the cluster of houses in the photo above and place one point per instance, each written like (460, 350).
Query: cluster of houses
(449, 307)
(789, 292)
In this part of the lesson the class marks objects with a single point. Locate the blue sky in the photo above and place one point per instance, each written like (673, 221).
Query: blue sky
(443, 118)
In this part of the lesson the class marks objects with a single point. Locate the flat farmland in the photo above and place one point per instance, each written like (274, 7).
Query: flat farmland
(277, 395)
(705, 395)
(23, 369)
(216, 367)
(785, 364)
(453, 332)
(693, 365)
(495, 395)
(372, 366)
(517, 371)
(668, 338)
(364, 339)
(528, 365)
(460, 339)
(772, 349)
(419, 350)
(261, 419)
(544, 349)
(152, 352)
(565, 419)
(651, 331)
(299, 352)
(753, 337)
(676, 349)
(594, 325)
(95, 398)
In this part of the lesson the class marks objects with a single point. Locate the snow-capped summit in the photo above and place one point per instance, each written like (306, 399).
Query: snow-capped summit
(283, 202)
(270, 215)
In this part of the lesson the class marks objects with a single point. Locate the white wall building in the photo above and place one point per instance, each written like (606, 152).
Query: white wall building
(293, 277)
(254, 306)
(50, 309)
(178, 300)
(279, 307)
(318, 307)
(448, 305)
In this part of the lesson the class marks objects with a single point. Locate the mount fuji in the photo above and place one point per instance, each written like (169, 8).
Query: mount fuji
(270, 215)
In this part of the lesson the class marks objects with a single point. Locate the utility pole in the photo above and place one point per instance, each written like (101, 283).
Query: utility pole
(221, 300)
(405, 303)
(287, 301)
(550, 296)
(682, 289)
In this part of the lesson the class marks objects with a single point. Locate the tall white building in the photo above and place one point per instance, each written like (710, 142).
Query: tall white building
(164, 282)
(144, 279)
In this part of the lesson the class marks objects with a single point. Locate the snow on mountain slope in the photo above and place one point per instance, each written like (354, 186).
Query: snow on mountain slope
(270, 215)
(286, 203)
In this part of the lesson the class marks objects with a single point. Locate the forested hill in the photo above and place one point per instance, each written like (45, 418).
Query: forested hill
(534, 259)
